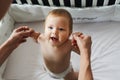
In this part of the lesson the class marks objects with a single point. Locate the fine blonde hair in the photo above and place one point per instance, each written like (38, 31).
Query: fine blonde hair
(62, 13)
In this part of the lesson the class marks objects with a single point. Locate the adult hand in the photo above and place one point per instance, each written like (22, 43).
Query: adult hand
(81, 41)
(19, 36)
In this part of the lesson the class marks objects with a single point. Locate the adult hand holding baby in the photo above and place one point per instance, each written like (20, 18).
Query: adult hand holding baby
(83, 43)
(17, 37)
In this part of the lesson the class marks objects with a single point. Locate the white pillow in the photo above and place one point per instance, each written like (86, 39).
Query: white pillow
(116, 16)
(28, 13)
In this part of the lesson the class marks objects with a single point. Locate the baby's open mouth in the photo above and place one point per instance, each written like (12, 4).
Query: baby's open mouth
(54, 39)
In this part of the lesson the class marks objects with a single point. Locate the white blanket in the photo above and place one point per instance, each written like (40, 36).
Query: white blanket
(25, 61)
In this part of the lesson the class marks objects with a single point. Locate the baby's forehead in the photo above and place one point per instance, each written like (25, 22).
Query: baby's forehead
(56, 15)
(57, 18)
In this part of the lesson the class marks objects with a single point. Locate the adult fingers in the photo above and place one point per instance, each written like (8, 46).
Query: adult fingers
(22, 28)
(26, 33)
(23, 34)
(77, 37)
(77, 33)
(87, 37)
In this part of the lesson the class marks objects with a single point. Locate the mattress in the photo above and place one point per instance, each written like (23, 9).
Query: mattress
(25, 62)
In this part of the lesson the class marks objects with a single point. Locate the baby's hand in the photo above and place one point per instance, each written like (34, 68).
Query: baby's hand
(83, 42)
(35, 35)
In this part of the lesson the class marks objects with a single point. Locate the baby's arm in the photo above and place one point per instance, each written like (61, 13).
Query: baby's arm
(84, 44)
(75, 49)
(74, 46)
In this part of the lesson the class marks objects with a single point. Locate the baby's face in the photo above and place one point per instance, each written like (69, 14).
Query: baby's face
(57, 30)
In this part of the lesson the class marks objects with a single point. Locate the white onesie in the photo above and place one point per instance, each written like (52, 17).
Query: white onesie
(60, 75)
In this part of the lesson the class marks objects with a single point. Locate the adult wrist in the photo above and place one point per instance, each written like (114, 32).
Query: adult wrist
(85, 54)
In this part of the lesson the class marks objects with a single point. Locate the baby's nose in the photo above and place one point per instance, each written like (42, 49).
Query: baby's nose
(55, 31)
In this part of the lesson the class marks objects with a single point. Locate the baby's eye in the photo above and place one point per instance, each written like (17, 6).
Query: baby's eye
(50, 27)
(61, 29)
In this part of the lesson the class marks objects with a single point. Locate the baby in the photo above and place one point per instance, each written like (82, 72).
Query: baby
(56, 45)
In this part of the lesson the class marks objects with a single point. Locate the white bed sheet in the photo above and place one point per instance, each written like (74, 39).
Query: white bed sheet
(25, 62)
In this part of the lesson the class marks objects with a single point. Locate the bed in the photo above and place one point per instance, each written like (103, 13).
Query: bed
(102, 23)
